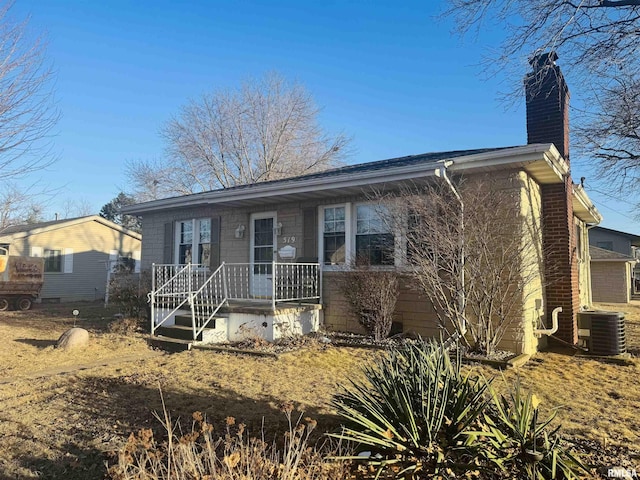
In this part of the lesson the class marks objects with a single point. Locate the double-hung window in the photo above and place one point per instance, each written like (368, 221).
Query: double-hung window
(356, 232)
(374, 238)
(194, 241)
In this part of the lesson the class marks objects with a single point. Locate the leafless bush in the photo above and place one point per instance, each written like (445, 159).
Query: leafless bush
(125, 326)
(129, 291)
(372, 294)
(494, 242)
(230, 456)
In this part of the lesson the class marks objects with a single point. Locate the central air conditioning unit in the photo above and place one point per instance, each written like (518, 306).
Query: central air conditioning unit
(602, 332)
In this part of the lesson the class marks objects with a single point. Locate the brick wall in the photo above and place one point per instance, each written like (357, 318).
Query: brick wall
(561, 265)
(547, 100)
(548, 108)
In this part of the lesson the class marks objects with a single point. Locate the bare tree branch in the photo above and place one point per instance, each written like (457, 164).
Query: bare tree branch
(27, 109)
(597, 42)
(265, 130)
(501, 265)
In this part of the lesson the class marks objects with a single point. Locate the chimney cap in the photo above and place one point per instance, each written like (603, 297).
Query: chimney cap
(539, 60)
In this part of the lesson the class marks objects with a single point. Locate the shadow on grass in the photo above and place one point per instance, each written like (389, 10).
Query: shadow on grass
(109, 409)
(77, 464)
(36, 343)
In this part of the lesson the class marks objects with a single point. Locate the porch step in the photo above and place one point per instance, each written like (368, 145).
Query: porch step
(182, 332)
(172, 345)
(185, 320)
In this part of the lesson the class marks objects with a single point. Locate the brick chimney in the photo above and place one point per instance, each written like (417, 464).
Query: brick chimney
(547, 100)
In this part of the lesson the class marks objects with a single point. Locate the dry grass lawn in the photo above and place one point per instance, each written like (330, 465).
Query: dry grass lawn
(62, 425)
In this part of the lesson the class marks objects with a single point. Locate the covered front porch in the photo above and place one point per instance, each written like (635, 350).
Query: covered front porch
(235, 301)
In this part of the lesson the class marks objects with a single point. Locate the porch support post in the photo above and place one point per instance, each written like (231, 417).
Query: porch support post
(319, 276)
(274, 279)
(152, 298)
(225, 287)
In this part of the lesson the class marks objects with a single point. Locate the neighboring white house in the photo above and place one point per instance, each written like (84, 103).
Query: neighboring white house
(78, 253)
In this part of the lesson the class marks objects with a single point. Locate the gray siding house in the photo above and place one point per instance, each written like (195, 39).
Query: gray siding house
(623, 243)
(611, 275)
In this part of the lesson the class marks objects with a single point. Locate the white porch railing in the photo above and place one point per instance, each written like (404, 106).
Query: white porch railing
(181, 287)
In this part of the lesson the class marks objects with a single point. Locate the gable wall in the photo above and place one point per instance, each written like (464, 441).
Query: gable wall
(584, 264)
(533, 294)
(620, 243)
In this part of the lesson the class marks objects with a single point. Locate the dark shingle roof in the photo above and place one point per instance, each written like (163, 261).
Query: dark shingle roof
(598, 253)
(32, 226)
(426, 158)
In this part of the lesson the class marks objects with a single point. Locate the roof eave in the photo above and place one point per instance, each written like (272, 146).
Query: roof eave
(583, 207)
(75, 221)
(542, 161)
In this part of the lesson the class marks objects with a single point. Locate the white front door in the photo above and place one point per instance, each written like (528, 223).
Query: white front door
(263, 246)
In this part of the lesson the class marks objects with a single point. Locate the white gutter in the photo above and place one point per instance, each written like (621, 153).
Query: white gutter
(516, 156)
(584, 209)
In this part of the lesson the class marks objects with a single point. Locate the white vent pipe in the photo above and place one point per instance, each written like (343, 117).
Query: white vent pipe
(554, 326)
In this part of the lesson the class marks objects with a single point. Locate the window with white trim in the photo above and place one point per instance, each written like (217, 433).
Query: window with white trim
(193, 242)
(359, 232)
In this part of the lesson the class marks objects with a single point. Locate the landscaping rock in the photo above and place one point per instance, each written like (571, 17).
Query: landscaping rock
(73, 338)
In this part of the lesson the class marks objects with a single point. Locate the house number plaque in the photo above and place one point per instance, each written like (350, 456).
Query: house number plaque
(290, 239)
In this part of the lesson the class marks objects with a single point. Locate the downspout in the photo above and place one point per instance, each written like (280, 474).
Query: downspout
(442, 173)
(589, 227)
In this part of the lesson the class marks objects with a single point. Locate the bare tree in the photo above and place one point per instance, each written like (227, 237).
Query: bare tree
(27, 111)
(265, 130)
(75, 207)
(19, 206)
(612, 133)
(150, 179)
(501, 266)
(597, 41)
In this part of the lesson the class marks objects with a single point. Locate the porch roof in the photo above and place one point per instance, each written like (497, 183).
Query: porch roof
(542, 161)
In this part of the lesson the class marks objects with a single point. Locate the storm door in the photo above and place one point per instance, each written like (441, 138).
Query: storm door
(263, 244)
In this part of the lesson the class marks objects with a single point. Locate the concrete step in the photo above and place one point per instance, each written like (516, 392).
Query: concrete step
(183, 332)
(185, 320)
(171, 345)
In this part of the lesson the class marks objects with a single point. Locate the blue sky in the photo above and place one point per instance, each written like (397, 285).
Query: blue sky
(389, 75)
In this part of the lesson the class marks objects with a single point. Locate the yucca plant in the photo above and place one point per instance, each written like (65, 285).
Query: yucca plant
(412, 411)
(517, 441)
